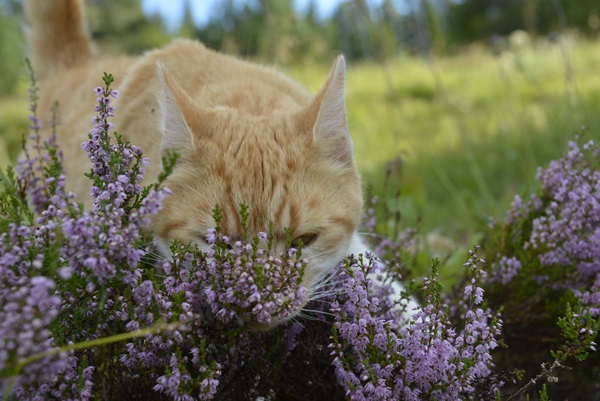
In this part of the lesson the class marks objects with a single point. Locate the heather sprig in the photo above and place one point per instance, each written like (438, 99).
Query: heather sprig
(40, 170)
(579, 331)
(110, 236)
(395, 247)
(361, 341)
(249, 284)
(117, 169)
(398, 246)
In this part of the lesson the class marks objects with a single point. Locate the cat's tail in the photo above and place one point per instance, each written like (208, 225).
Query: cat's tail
(56, 34)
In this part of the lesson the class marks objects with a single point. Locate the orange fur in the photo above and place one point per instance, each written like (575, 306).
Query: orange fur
(246, 134)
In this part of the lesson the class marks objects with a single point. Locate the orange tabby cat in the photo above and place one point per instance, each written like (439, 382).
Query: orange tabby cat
(245, 133)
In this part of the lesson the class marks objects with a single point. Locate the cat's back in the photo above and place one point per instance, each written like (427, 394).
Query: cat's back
(214, 79)
(210, 79)
(206, 81)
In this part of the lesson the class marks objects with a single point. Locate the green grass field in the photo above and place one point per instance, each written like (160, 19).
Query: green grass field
(13, 124)
(459, 135)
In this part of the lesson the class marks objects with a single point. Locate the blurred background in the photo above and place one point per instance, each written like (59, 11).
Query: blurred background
(453, 104)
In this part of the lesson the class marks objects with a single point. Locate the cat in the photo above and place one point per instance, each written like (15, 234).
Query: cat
(245, 134)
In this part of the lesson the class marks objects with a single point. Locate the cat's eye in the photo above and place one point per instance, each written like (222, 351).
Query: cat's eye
(306, 240)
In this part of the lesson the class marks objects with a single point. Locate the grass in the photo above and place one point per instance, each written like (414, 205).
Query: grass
(13, 123)
(458, 135)
(461, 135)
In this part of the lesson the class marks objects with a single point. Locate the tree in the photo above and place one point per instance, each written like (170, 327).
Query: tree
(471, 20)
(121, 26)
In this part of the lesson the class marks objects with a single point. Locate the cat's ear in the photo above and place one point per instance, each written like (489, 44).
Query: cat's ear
(326, 116)
(176, 133)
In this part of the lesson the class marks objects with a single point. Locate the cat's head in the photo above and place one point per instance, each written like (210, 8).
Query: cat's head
(294, 169)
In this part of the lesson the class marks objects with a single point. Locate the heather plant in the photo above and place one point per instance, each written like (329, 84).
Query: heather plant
(89, 309)
(551, 242)
(428, 358)
(63, 272)
(554, 237)
(545, 257)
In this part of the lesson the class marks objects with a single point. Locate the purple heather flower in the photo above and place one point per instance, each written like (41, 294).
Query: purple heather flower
(211, 236)
(249, 284)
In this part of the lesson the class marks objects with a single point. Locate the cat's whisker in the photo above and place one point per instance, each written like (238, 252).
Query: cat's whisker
(157, 256)
(154, 259)
(319, 312)
(154, 254)
(296, 320)
(325, 279)
(334, 286)
(373, 235)
(300, 315)
(324, 295)
(322, 301)
(337, 280)
(329, 289)
(158, 264)
(306, 316)
(323, 290)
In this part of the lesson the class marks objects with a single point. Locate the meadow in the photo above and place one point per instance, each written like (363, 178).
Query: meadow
(447, 142)
(462, 134)
(458, 135)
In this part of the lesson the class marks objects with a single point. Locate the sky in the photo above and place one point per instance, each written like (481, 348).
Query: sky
(172, 10)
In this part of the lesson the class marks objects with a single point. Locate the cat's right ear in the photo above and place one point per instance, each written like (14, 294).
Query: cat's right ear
(176, 133)
(325, 117)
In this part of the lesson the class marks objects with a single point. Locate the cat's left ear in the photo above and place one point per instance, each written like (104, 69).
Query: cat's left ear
(176, 133)
(326, 117)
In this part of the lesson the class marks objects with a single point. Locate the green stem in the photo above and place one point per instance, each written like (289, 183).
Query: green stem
(158, 327)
